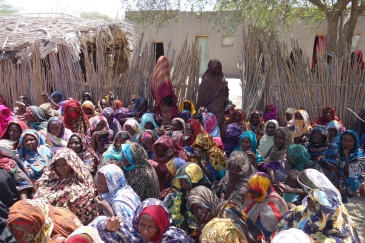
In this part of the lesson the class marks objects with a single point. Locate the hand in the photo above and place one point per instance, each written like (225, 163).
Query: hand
(206, 217)
(232, 172)
(113, 224)
(102, 204)
(347, 151)
(282, 187)
(97, 134)
(251, 154)
(169, 154)
(222, 195)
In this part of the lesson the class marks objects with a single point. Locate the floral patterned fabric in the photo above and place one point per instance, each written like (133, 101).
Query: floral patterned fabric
(75, 192)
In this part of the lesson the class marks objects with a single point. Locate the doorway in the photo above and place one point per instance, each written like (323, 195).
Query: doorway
(319, 47)
(204, 51)
(159, 50)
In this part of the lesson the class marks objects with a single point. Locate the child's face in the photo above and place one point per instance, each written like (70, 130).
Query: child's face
(291, 180)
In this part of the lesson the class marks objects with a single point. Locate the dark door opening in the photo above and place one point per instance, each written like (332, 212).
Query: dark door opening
(319, 46)
(159, 50)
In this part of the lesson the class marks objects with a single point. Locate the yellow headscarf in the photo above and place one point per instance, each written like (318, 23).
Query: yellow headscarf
(191, 104)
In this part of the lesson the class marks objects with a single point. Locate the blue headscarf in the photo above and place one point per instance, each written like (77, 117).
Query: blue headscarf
(127, 153)
(113, 152)
(185, 113)
(119, 191)
(253, 139)
(148, 117)
(58, 93)
(357, 152)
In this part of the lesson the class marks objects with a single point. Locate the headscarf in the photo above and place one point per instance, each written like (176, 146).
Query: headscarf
(181, 121)
(359, 126)
(269, 208)
(222, 231)
(135, 126)
(193, 111)
(34, 160)
(138, 103)
(266, 141)
(356, 152)
(107, 134)
(148, 117)
(84, 94)
(324, 121)
(277, 154)
(252, 137)
(168, 143)
(114, 125)
(147, 135)
(58, 93)
(216, 156)
(298, 156)
(197, 129)
(290, 111)
(211, 124)
(241, 160)
(87, 154)
(232, 132)
(243, 117)
(273, 115)
(4, 119)
(47, 221)
(142, 178)
(85, 232)
(336, 125)
(359, 59)
(5, 136)
(161, 215)
(292, 236)
(119, 191)
(301, 126)
(75, 192)
(62, 139)
(193, 174)
(76, 121)
(113, 153)
(174, 165)
(38, 116)
(90, 105)
(118, 103)
(259, 129)
(331, 222)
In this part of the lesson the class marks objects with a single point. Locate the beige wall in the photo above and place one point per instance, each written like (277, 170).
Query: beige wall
(191, 25)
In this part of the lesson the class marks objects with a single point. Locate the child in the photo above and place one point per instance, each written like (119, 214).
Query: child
(177, 130)
(292, 199)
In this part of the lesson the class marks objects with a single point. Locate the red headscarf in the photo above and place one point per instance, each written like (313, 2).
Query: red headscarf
(197, 129)
(323, 120)
(161, 218)
(71, 118)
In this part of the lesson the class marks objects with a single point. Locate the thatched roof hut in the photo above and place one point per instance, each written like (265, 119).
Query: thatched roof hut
(61, 52)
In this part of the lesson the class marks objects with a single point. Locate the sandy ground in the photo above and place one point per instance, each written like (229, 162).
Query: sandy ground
(356, 203)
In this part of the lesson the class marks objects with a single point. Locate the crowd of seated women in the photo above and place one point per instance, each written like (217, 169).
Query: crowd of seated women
(78, 171)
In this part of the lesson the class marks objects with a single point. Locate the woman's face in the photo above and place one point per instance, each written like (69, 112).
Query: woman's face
(270, 129)
(160, 150)
(147, 227)
(101, 184)
(187, 106)
(218, 69)
(57, 98)
(87, 111)
(269, 109)
(256, 195)
(199, 212)
(54, 128)
(104, 103)
(148, 125)
(62, 168)
(14, 132)
(125, 162)
(279, 139)
(148, 143)
(236, 116)
(188, 130)
(255, 119)
(311, 205)
(298, 116)
(332, 132)
(75, 144)
(28, 117)
(348, 142)
(184, 183)
(328, 114)
(71, 109)
(100, 126)
(130, 129)
(318, 137)
(119, 142)
(30, 142)
(246, 144)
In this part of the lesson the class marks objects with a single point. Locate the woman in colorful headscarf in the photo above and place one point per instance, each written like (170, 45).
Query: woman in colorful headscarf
(165, 148)
(318, 143)
(187, 105)
(325, 218)
(302, 126)
(359, 126)
(78, 143)
(151, 222)
(271, 113)
(89, 109)
(57, 135)
(210, 123)
(68, 183)
(192, 129)
(5, 118)
(140, 174)
(352, 161)
(256, 124)
(146, 139)
(248, 144)
(210, 158)
(213, 91)
(162, 90)
(20, 109)
(205, 206)
(334, 131)
(297, 156)
(262, 204)
(188, 176)
(99, 135)
(132, 126)
(117, 198)
(233, 185)
(237, 118)
(148, 122)
(114, 153)
(37, 221)
(267, 141)
(10, 136)
(113, 123)
(34, 153)
(74, 118)
(84, 234)
(35, 118)
(234, 130)
(328, 114)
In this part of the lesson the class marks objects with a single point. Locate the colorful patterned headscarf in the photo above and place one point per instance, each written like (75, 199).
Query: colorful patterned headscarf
(338, 126)
(216, 156)
(222, 231)
(259, 182)
(36, 113)
(301, 126)
(76, 121)
(211, 124)
(134, 124)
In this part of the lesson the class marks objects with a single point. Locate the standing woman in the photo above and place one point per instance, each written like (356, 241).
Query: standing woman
(162, 90)
(213, 91)
(74, 118)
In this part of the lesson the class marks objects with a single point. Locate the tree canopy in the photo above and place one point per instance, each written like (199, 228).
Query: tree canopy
(7, 8)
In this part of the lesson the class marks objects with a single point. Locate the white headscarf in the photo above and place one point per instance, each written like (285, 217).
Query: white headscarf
(292, 236)
(266, 142)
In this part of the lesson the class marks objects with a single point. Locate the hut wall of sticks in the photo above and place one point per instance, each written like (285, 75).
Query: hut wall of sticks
(282, 75)
(60, 52)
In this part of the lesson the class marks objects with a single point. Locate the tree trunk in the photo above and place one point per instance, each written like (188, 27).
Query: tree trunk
(348, 29)
(332, 30)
